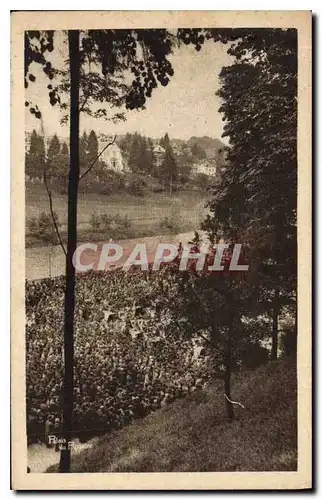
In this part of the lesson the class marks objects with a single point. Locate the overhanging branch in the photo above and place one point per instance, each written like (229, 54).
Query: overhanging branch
(83, 105)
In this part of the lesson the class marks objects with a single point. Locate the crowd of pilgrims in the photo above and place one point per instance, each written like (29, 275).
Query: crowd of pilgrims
(130, 357)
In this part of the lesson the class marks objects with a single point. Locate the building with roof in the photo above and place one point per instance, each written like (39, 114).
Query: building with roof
(112, 157)
(158, 153)
(204, 167)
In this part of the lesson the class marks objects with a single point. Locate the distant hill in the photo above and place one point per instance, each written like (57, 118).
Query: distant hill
(206, 142)
(212, 147)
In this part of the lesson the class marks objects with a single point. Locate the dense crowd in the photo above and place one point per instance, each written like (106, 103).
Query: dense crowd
(131, 358)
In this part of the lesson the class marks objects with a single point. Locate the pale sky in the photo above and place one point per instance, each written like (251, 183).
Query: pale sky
(187, 106)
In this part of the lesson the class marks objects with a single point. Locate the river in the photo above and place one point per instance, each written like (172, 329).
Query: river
(49, 261)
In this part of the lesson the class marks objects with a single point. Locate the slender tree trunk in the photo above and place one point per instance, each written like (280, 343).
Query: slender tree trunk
(74, 61)
(296, 333)
(227, 352)
(275, 326)
(227, 378)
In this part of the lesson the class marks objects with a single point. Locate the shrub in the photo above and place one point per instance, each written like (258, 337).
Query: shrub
(136, 186)
(43, 228)
(106, 221)
(170, 223)
(95, 221)
(122, 221)
(158, 188)
(115, 224)
(32, 226)
(202, 181)
(102, 181)
(252, 355)
(289, 342)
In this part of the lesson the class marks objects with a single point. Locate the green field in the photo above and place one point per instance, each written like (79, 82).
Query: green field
(194, 435)
(186, 208)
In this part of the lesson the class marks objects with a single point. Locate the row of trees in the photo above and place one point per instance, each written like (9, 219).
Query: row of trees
(253, 201)
(138, 153)
(141, 159)
(137, 150)
(35, 160)
(169, 167)
(55, 161)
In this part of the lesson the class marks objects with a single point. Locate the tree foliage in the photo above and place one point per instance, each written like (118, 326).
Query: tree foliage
(35, 159)
(165, 141)
(140, 154)
(255, 200)
(254, 197)
(92, 148)
(169, 169)
(198, 152)
(119, 69)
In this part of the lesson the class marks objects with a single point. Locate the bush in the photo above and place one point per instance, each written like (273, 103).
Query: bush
(106, 222)
(95, 221)
(122, 221)
(135, 188)
(252, 355)
(32, 226)
(289, 342)
(157, 188)
(170, 223)
(43, 228)
(115, 224)
(202, 181)
(102, 181)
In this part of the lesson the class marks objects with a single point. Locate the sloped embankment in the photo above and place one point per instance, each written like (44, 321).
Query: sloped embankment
(193, 434)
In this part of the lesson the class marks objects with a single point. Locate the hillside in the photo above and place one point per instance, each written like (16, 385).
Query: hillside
(150, 215)
(213, 147)
(193, 434)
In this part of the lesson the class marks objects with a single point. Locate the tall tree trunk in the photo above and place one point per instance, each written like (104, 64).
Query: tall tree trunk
(227, 378)
(275, 326)
(74, 62)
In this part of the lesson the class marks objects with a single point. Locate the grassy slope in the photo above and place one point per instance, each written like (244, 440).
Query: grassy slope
(194, 435)
(150, 207)
(186, 208)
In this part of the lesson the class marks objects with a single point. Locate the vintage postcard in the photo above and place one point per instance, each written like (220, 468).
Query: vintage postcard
(161, 310)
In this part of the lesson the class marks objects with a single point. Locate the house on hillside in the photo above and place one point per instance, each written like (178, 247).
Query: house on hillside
(204, 167)
(112, 156)
(158, 153)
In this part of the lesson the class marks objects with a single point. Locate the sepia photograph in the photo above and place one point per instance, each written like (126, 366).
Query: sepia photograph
(161, 183)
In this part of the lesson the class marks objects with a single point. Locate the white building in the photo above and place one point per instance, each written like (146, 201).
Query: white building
(158, 153)
(158, 149)
(112, 156)
(204, 167)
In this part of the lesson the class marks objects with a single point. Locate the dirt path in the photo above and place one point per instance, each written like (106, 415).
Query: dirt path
(40, 457)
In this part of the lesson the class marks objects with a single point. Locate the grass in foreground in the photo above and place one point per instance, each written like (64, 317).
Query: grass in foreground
(193, 434)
